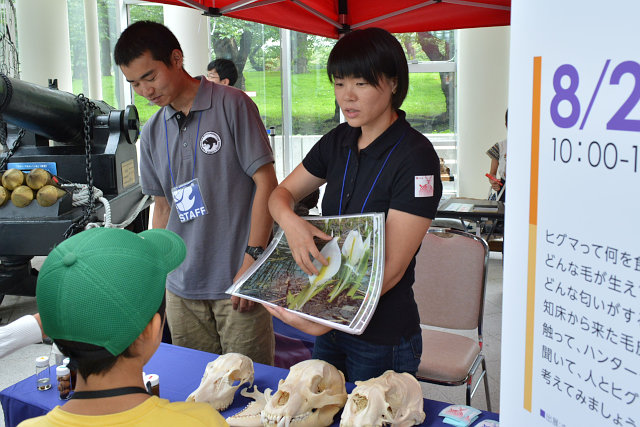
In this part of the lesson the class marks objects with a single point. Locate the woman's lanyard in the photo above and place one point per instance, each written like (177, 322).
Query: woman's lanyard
(195, 148)
(112, 392)
(344, 178)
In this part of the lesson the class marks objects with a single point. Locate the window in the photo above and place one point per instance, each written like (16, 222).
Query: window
(108, 33)
(284, 72)
(431, 102)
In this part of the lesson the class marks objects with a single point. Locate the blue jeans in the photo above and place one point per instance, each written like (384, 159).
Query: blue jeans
(360, 360)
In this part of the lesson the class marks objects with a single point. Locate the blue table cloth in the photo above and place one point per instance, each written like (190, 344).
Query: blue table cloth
(180, 370)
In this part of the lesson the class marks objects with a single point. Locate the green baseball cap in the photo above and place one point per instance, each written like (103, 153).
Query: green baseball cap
(103, 285)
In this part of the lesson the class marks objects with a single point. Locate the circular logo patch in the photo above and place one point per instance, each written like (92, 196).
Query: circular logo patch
(210, 143)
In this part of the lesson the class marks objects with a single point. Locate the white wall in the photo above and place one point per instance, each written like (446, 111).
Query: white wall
(483, 77)
(191, 29)
(43, 40)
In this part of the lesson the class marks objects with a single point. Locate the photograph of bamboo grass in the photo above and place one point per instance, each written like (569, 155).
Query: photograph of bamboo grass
(344, 293)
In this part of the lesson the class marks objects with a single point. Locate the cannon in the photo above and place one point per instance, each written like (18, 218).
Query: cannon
(77, 140)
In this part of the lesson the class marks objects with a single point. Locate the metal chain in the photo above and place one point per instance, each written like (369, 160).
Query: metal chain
(14, 147)
(87, 113)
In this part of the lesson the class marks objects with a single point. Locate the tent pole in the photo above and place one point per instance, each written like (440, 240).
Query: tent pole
(478, 4)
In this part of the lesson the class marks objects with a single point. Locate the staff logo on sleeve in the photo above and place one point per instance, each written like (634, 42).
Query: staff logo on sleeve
(210, 143)
(423, 186)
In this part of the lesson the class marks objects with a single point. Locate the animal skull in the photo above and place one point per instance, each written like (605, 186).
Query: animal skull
(250, 415)
(390, 399)
(311, 395)
(221, 379)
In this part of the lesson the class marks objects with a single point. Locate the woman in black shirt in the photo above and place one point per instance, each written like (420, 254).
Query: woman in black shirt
(373, 163)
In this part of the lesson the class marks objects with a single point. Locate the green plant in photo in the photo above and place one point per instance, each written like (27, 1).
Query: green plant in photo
(331, 252)
(353, 250)
(362, 268)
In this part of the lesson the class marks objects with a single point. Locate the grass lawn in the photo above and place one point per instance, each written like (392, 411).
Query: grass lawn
(145, 110)
(313, 104)
(313, 100)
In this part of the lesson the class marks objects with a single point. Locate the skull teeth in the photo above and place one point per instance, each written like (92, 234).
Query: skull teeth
(282, 420)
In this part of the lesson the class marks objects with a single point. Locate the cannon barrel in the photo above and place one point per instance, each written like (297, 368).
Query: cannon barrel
(52, 113)
(39, 116)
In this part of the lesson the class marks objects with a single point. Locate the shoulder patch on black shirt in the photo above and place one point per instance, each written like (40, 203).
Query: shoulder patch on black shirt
(423, 186)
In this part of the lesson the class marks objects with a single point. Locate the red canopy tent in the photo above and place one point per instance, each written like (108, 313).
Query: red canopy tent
(330, 18)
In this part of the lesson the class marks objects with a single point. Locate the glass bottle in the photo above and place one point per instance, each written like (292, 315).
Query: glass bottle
(152, 383)
(43, 376)
(63, 374)
(73, 372)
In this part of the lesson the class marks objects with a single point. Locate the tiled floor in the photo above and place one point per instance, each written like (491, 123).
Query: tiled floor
(20, 364)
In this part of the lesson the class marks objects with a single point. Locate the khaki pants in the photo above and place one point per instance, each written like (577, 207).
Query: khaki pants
(214, 326)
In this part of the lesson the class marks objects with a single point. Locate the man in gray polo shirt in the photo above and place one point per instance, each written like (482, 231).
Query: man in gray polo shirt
(205, 156)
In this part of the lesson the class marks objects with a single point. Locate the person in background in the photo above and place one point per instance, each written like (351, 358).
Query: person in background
(498, 169)
(101, 298)
(376, 162)
(20, 333)
(222, 71)
(205, 157)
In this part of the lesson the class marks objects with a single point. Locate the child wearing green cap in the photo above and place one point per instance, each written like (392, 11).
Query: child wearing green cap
(100, 296)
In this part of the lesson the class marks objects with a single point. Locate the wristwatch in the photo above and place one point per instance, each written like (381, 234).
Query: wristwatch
(254, 251)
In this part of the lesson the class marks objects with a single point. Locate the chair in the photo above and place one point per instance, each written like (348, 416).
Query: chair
(449, 289)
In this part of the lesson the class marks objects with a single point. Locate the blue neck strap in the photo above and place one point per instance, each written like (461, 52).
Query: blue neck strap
(344, 178)
(195, 148)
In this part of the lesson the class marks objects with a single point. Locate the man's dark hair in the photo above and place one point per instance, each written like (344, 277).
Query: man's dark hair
(144, 36)
(225, 68)
(370, 54)
(91, 359)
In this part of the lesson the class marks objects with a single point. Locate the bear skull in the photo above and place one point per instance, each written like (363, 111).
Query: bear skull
(313, 392)
(391, 399)
(221, 379)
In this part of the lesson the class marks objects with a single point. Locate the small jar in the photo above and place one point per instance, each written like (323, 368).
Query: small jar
(152, 383)
(43, 376)
(63, 374)
(73, 372)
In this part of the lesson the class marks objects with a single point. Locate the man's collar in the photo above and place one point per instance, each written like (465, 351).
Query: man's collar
(202, 101)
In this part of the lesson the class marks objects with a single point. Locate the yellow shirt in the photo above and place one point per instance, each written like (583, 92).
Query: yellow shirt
(153, 412)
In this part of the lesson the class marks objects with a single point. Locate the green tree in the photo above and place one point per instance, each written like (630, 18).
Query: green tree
(438, 47)
(301, 53)
(106, 10)
(240, 41)
(77, 41)
(432, 46)
(141, 12)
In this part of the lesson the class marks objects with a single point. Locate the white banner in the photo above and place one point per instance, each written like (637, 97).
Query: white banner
(571, 307)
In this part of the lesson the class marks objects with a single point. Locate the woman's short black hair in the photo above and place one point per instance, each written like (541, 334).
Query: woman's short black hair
(144, 36)
(369, 54)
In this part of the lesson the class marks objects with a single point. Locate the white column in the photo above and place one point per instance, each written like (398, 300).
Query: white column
(191, 29)
(483, 79)
(93, 48)
(43, 42)
(287, 102)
